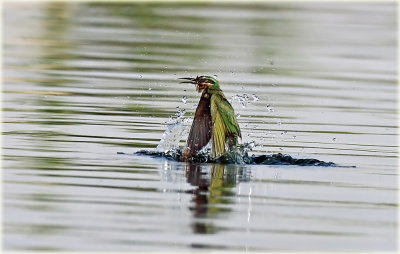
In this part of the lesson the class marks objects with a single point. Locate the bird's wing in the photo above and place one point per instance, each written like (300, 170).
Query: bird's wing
(222, 105)
(224, 123)
(218, 130)
(200, 132)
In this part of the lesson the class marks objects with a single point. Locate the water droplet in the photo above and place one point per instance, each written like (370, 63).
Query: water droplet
(270, 108)
(184, 99)
(334, 140)
(149, 88)
(140, 76)
(255, 97)
(249, 146)
(279, 122)
(180, 113)
(243, 99)
(237, 115)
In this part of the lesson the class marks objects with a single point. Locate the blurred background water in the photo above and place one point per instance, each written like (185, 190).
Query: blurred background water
(83, 81)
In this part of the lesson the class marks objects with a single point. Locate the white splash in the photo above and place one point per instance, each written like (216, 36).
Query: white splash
(176, 129)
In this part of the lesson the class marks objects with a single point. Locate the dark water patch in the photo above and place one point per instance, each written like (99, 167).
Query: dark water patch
(231, 158)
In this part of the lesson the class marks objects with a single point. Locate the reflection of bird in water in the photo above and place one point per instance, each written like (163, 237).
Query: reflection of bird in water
(210, 193)
(214, 119)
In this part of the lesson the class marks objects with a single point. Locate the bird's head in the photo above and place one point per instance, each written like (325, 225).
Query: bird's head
(202, 82)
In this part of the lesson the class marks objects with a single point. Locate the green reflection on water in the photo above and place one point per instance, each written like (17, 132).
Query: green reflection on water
(212, 197)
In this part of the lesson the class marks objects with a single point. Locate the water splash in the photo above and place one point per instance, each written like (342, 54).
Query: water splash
(237, 158)
(238, 155)
(177, 127)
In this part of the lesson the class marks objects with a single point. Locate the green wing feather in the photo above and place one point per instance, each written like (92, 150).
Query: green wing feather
(224, 123)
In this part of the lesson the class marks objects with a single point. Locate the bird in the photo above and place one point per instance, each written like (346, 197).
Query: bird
(214, 120)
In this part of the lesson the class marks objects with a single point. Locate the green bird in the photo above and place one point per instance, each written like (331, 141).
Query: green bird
(214, 120)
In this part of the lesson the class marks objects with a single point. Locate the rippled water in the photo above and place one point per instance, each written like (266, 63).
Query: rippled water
(83, 81)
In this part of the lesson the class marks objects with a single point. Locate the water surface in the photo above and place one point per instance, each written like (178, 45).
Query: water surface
(83, 81)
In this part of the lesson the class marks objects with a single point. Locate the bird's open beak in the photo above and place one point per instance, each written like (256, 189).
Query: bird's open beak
(189, 80)
(200, 83)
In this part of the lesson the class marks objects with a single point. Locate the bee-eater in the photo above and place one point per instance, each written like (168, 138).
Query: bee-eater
(214, 119)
